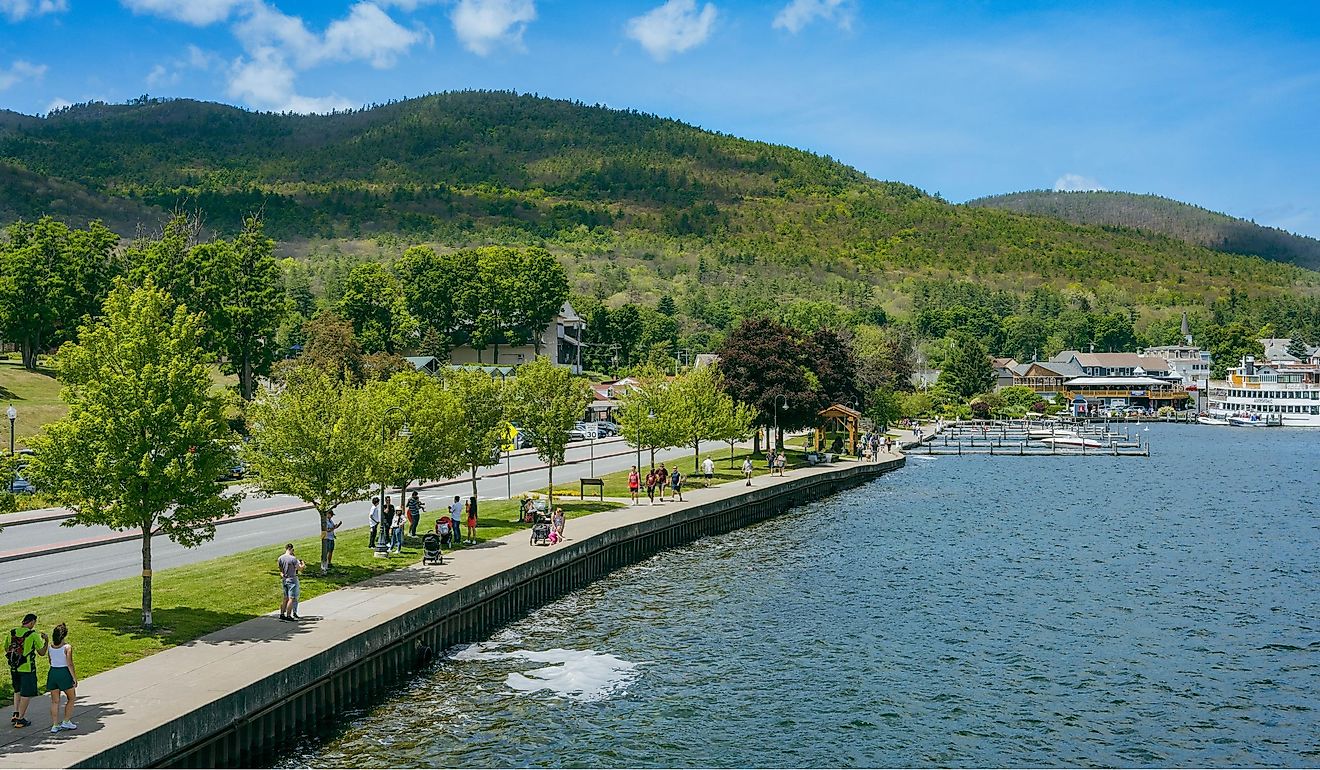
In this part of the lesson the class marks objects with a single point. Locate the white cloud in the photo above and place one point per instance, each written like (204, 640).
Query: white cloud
(57, 104)
(20, 71)
(170, 73)
(1076, 183)
(368, 33)
(799, 13)
(277, 46)
(481, 24)
(18, 10)
(198, 13)
(673, 27)
(266, 81)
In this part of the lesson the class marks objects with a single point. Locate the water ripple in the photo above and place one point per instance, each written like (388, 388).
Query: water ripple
(968, 612)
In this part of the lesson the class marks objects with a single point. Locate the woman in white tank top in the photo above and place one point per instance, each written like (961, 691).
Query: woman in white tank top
(61, 679)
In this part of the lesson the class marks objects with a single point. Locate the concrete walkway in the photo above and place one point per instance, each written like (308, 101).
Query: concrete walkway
(120, 704)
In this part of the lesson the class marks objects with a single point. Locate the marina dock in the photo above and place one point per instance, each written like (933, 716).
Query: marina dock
(1031, 438)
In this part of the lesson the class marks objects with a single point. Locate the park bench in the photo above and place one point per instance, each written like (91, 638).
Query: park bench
(597, 483)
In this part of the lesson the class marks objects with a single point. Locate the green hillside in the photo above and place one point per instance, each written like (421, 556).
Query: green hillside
(636, 206)
(1154, 214)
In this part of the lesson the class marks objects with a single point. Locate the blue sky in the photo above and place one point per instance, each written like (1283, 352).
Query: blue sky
(1214, 103)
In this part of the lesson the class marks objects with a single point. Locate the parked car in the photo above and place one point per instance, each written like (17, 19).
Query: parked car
(236, 473)
(22, 486)
(582, 431)
(605, 428)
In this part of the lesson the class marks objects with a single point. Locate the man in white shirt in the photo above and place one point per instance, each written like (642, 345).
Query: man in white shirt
(708, 469)
(375, 520)
(747, 470)
(455, 513)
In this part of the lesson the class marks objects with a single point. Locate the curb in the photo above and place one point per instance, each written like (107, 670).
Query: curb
(92, 542)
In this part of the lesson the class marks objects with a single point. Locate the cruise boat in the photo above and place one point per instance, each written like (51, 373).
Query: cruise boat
(1283, 393)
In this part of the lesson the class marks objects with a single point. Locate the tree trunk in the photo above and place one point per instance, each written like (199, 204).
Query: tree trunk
(756, 443)
(245, 377)
(779, 439)
(474, 482)
(146, 576)
(731, 443)
(696, 456)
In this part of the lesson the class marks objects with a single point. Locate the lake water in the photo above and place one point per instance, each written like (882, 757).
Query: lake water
(965, 611)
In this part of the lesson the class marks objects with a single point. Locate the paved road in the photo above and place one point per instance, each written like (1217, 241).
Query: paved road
(43, 575)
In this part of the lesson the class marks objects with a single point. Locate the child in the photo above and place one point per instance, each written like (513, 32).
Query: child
(557, 523)
(442, 529)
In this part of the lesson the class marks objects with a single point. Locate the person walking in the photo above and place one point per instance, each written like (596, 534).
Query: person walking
(747, 470)
(396, 530)
(650, 486)
(290, 568)
(708, 469)
(455, 517)
(21, 651)
(781, 460)
(415, 507)
(62, 679)
(676, 484)
(634, 482)
(328, 542)
(662, 480)
(472, 520)
(375, 521)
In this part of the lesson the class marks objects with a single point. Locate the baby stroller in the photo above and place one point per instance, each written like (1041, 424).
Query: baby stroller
(431, 553)
(541, 530)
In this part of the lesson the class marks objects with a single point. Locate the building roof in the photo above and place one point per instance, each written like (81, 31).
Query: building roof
(1059, 368)
(493, 371)
(1120, 382)
(1114, 360)
(1003, 363)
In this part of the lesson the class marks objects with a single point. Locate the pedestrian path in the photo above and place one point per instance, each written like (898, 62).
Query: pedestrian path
(148, 695)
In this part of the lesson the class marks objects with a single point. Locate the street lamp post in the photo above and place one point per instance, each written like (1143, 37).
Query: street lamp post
(384, 439)
(12, 413)
(777, 398)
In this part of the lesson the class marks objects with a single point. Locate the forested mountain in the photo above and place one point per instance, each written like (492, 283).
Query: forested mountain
(1156, 214)
(639, 209)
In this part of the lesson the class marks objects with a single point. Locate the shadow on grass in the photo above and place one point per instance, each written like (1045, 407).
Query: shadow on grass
(89, 717)
(172, 625)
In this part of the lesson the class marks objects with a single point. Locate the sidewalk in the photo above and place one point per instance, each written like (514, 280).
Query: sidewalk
(122, 703)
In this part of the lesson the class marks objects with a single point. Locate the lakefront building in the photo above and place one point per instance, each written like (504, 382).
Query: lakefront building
(560, 341)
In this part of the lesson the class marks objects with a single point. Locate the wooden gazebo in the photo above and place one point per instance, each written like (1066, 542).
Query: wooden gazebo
(838, 417)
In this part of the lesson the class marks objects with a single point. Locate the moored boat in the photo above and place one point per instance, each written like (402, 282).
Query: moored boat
(1072, 441)
(1211, 420)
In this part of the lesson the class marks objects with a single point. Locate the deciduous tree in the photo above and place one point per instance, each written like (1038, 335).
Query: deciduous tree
(483, 425)
(50, 277)
(315, 439)
(545, 401)
(146, 440)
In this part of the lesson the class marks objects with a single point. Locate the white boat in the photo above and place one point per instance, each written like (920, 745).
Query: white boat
(1212, 420)
(1072, 441)
(1256, 395)
(1249, 421)
(1040, 433)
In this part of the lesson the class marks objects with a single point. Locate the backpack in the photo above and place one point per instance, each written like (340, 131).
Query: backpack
(14, 650)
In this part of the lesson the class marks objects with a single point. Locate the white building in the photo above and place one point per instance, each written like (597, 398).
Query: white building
(560, 341)
(1189, 362)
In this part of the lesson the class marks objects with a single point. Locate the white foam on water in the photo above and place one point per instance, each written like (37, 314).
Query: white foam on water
(583, 675)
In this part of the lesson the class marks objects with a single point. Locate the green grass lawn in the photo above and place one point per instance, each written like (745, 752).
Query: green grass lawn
(192, 601)
(36, 396)
(616, 484)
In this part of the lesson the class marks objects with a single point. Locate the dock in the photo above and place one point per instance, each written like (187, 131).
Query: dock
(1013, 438)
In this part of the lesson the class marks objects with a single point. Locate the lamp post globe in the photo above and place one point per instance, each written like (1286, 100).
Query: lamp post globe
(12, 414)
